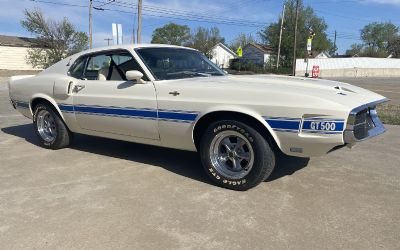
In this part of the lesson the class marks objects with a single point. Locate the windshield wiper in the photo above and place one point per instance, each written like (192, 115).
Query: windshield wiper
(189, 73)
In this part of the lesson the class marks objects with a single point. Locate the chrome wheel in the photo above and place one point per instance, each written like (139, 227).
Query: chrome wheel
(46, 126)
(232, 154)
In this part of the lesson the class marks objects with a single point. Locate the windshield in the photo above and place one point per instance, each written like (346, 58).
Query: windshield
(176, 63)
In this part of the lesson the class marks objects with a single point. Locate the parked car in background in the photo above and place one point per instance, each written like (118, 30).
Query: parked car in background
(175, 97)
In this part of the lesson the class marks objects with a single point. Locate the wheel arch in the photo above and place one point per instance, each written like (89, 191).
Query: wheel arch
(39, 98)
(247, 117)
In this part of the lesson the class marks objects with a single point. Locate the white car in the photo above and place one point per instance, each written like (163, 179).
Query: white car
(175, 97)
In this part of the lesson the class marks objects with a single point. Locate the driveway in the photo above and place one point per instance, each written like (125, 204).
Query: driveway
(105, 194)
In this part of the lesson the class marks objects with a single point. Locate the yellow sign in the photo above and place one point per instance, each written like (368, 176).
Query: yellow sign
(239, 51)
(309, 43)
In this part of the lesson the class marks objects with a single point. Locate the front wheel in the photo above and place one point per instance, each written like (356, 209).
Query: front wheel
(235, 155)
(50, 128)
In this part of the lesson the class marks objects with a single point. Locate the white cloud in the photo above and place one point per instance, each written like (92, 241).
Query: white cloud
(391, 2)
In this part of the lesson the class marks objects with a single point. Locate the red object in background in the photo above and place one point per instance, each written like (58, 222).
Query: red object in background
(315, 71)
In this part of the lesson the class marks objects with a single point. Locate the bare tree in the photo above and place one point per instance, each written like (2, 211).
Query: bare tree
(54, 40)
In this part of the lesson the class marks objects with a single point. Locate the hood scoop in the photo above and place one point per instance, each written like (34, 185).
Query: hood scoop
(341, 89)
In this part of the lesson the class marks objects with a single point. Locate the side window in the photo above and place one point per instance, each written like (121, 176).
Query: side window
(125, 62)
(98, 67)
(77, 68)
(111, 66)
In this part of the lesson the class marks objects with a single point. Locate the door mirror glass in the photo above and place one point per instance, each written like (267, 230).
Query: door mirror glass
(134, 75)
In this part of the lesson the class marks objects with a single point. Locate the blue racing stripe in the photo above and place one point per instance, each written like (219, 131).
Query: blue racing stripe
(177, 116)
(284, 124)
(66, 108)
(164, 115)
(116, 111)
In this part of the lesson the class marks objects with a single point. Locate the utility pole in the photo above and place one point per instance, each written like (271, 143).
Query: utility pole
(280, 37)
(334, 44)
(90, 24)
(295, 38)
(108, 41)
(133, 34)
(133, 28)
(139, 28)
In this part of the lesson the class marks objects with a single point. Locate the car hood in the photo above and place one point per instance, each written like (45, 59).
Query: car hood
(338, 93)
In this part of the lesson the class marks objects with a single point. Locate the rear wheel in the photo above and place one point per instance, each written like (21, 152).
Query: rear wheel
(235, 155)
(50, 128)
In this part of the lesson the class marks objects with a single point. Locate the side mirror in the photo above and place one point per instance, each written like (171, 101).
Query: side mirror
(134, 75)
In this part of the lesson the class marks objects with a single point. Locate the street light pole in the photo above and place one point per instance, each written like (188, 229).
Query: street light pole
(280, 37)
(90, 25)
(108, 41)
(295, 38)
(139, 28)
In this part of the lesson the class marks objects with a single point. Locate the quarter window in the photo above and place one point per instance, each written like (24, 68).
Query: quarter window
(77, 68)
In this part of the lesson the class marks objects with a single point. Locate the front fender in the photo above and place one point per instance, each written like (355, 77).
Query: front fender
(240, 110)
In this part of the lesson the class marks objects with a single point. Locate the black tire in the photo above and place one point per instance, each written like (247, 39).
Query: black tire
(62, 137)
(262, 165)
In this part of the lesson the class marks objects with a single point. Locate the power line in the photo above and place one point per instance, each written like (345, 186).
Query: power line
(57, 3)
(169, 15)
(182, 13)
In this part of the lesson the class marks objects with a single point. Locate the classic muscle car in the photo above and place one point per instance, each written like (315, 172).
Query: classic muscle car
(175, 97)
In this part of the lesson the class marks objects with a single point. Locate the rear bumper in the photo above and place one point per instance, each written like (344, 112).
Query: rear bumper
(363, 123)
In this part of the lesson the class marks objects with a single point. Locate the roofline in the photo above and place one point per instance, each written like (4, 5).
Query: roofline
(226, 48)
(260, 49)
(135, 46)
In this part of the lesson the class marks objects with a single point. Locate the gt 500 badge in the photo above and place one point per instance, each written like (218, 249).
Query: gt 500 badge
(315, 126)
(327, 126)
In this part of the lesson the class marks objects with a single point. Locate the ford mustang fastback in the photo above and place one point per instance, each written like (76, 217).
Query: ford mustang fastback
(175, 97)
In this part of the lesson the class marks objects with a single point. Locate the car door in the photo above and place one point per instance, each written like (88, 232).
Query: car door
(104, 101)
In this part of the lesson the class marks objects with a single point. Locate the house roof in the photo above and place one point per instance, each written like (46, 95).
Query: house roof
(317, 54)
(263, 48)
(225, 48)
(16, 41)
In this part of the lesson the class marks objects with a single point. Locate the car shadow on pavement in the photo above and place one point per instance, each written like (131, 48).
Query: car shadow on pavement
(287, 165)
(177, 161)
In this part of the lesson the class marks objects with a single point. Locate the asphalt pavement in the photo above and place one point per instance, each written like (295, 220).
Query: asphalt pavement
(106, 194)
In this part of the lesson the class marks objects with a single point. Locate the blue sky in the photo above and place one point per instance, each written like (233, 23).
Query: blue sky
(347, 17)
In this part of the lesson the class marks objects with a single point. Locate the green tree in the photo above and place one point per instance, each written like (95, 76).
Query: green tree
(241, 40)
(379, 40)
(173, 34)
(307, 21)
(205, 39)
(377, 37)
(394, 47)
(54, 41)
(355, 50)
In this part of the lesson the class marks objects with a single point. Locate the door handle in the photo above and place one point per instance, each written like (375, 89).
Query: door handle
(78, 88)
(175, 93)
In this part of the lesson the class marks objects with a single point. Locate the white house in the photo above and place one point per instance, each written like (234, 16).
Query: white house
(322, 55)
(221, 55)
(259, 54)
(13, 52)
